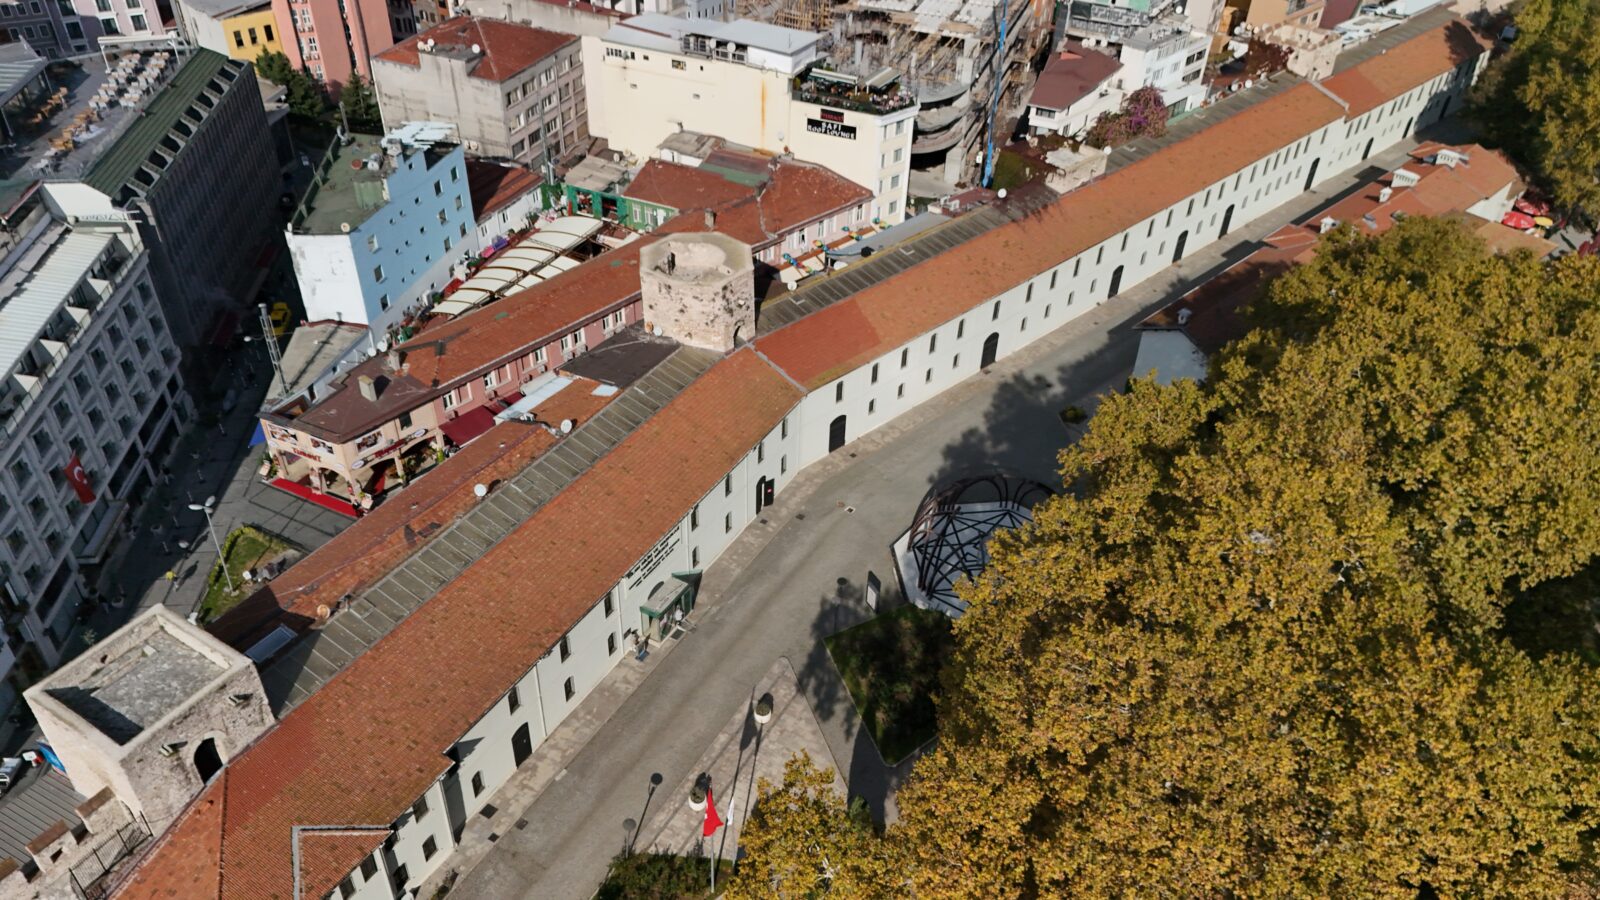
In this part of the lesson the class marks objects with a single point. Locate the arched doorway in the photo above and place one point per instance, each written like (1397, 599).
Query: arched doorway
(1116, 281)
(1368, 151)
(1227, 222)
(764, 491)
(207, 761)
(738, 335)
(521, 744)
(1311, 176)
(991, 349)
(1177, 252)
(836, 434)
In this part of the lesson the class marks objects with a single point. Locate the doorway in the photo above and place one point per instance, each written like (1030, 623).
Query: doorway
(1177, 252)
(1227, 222)
(1116, 283)
(1311, 176)
(764, 492)
(207, 761)
(521, 745)
(836, 434)
(991, 350)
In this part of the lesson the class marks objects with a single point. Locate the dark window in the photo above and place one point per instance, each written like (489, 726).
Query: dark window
(905, 357)
(727, 485)
(477, 783)
(784, 431)
(694, 518)
(419, 809)
(961, 326)
(569, 689)
(610, 607)
(727, 523)
(400, 879)
(369, 868)
(611, 645)
(514, 699)
(872, 407)
(874, 373)
(1058, 272)
(694, 557)
(429, 848)
(347, 888)
(996, 313)
(1028, 297)
(838, 391)
(566, 650)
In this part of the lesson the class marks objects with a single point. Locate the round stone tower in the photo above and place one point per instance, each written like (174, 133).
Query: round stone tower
(700, 289)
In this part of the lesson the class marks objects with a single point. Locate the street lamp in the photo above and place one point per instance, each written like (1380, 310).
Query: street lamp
(206, 508)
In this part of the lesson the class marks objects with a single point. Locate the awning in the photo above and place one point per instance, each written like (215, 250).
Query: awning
(468, 425)
(257, 437)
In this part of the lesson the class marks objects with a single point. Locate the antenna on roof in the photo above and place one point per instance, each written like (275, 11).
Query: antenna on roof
(566, 426)
(480, 490)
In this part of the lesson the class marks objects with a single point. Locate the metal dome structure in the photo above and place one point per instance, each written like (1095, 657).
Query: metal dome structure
(949, 535)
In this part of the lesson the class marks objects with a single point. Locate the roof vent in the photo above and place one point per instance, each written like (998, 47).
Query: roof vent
(369, 390)
(1384, 193)
(1184, 316)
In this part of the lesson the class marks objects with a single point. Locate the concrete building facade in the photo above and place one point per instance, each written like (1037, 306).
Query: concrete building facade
(381, 225)
(815, 381)
(238, 29)
(335, 39)
(752, 84)
(90, 375)
(513, 92)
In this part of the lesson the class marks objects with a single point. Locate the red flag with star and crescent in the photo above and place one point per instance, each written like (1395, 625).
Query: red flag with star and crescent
(79, 479)
(713, 821)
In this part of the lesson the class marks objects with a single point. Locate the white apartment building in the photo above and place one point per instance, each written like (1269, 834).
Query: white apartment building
(90, 374)
(381, 225)
(753, 84)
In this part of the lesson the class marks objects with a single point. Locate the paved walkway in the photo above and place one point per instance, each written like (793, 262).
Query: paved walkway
(797, 577)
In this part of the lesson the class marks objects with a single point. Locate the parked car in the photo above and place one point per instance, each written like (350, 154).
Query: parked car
(10, 772)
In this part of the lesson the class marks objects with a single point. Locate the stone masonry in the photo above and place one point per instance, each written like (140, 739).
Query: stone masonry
(700, 290)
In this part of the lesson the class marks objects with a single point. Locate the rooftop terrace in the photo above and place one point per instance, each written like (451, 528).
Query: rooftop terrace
(139, 685)
(344, 190)
(65, 119)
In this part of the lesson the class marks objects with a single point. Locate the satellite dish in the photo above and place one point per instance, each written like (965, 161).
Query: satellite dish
(566, 426)
(383, 345)
(1001, 193)
(323, 612)
(476, 49)
(480, 490)
(344, 227)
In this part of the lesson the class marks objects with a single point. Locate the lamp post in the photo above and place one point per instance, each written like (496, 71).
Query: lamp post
(206, 508)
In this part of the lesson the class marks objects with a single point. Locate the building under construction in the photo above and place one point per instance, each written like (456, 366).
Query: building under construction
(951, 54)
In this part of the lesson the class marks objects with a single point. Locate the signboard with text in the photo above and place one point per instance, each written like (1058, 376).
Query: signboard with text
(833, 129)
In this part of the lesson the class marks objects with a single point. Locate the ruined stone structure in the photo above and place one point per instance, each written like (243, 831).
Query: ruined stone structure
(700, 290)
(152, 713)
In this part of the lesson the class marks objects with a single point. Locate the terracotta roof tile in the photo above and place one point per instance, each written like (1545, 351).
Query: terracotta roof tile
(508, 48)
(1374, 82)
(366, 551)
(827, 344)
(683, 187)
(1072, 73)
(361, 749)
(494, 186)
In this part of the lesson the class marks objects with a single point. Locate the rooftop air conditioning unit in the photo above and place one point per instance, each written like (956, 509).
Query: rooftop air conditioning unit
(1384, 194)
(1327, 224)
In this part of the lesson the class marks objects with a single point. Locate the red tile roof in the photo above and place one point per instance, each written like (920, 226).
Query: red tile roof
(362, 554)
(1072, 73)
(683, 187)
(1371, 83)
(795, 195)
(508, 48)
(829, 343)
(494, 186)
(365, 746)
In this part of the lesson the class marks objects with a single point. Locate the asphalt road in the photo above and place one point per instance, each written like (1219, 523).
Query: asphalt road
(783, 588)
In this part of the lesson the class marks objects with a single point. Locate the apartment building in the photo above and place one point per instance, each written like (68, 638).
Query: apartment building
(527, 623)
(89, 406)
(335, 39)
(753, 84)
(239, 29)
(514, 92)
(381, 224)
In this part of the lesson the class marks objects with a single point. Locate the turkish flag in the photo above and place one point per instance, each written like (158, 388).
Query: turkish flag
(79, 479)
(713, 821)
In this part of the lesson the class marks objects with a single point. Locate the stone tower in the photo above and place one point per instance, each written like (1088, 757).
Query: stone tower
(152, 713)
(700, 289)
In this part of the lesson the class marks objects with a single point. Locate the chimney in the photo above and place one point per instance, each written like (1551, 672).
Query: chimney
(711, 220)
(395, 359)
(368, 389)
(1384, 194)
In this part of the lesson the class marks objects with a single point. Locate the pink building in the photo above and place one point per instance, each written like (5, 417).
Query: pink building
(315, 35)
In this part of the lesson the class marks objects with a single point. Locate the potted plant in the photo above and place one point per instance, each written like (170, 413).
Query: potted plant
(764, 709)
(697, 795)
(1073, 415)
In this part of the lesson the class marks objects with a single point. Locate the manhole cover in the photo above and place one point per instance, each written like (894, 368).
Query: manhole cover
(521, 824)
(849, 509)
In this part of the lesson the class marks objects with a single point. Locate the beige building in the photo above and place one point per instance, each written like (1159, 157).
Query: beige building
(753, 84)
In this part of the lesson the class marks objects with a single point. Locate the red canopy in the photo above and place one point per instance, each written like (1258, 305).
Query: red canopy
(468, 425)
(1517, 220)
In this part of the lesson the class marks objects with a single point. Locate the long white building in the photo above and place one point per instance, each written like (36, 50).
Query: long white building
(90, 373)
(381, 755)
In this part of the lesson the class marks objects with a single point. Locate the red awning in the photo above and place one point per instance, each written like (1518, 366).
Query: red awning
(468, 425)
(450, 288)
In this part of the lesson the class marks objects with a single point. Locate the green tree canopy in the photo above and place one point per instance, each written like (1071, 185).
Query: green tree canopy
(1258, 648)
(307, 98)
(360, 106)
(1542, 99)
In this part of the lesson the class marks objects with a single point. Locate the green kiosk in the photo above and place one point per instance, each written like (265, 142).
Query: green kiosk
(669, 602)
